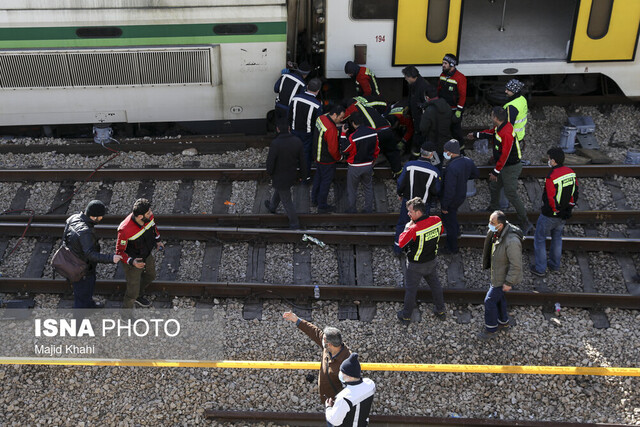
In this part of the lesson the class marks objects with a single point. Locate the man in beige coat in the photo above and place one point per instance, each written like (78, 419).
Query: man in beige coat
(503, 255)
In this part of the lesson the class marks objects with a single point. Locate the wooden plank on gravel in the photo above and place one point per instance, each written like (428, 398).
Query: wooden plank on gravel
(346, 266)
(223, 193)
(39, 258)
(617, 194)
(301, 195)
(255, 263)
(61, 200)
(340, 194)
(105, 192)
(3, 248)
(20, 199)
(170, 262)
(534, 191)
(146, 189)
(627, 266)
(598, 317)
(184, 197)
(364, 271)
(263, 192)
(211, 262)
(302, 265)
(380, 203)
(455, 272)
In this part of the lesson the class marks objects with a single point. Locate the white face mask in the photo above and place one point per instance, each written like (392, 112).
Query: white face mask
(549, 163)
(493, 228)
(341, 377)
(447, 156)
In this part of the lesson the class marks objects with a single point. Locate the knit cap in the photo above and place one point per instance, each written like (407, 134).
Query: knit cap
(452, 146)
(351, 366)
(95, 208)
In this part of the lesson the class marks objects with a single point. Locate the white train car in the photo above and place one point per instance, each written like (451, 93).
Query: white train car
(139, 60)
(576, 41)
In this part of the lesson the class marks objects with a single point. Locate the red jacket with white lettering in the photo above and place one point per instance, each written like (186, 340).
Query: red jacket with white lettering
(506, 148)
(422, 238)
(560, 192)
(135, 241)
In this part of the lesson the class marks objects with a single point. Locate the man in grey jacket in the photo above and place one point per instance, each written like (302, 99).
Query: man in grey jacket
(503, 255)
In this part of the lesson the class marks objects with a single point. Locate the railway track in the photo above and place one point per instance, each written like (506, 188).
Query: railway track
(316, 419)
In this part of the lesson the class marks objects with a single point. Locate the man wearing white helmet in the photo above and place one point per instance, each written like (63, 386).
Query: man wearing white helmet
(516, 108)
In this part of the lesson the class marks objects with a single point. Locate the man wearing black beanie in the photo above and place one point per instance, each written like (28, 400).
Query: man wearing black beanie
(352, 405)
(80, 238)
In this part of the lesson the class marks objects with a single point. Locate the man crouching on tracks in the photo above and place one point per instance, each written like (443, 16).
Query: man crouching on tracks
(137, 237)
(334, 352)
(502, 253)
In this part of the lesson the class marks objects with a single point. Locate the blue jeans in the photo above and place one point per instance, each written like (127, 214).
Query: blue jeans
(548, 226)
(495, 309)
(451, 226)
(83, 291)
(322, 183)
(403, 219)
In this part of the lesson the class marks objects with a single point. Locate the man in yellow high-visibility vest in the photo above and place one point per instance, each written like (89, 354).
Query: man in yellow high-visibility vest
(517, 108)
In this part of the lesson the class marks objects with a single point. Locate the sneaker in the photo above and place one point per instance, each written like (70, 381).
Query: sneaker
(536, 272)
(402, 319)
(267, 204)
(486, 336)
(143, 302)
(440, 315)
(98, 304)
(504, 328)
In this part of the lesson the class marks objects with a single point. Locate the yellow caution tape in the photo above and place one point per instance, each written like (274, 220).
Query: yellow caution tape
(273, 364)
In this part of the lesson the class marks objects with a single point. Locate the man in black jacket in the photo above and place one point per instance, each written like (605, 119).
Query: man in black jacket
(81, 240)
(285, 157)
(435, 124)
(417, 89)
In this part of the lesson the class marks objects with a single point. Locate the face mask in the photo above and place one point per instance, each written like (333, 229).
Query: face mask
(549, 163)
(493, 227)
(341, 377)
(447, 156)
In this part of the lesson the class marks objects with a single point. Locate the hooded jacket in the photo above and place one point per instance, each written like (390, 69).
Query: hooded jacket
(503, 255)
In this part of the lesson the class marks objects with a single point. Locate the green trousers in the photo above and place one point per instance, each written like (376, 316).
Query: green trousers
(508, 179)
(137, 280)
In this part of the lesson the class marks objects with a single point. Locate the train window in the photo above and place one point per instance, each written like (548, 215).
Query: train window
(599, 18)
(377, 9)
(98, 32)
(235, 29)
(437, 20)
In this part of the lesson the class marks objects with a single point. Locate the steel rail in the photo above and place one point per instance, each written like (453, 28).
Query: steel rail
(318, 419)
(341, 220)
(362, 294)
(251, 174)
(335, 237)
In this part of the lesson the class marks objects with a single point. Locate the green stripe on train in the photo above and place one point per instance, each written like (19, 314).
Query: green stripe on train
(133, 35)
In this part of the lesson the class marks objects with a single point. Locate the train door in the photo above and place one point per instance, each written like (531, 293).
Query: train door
(606, 30)
(512, 31)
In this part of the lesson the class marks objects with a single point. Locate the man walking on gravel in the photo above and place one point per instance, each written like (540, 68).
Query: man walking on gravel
(285, 158)
(334, 352)
(421, 235)
(138, 236)
(81, 240)
(559, 197)
(502, 254)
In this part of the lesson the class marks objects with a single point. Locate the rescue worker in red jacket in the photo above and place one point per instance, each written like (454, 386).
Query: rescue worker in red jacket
(452, 87)
(507, 155)
(401, 124)
(326, 152)
(377, 122)
(364, 78)
(421, 236)
(137, 237)
(559, 199)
